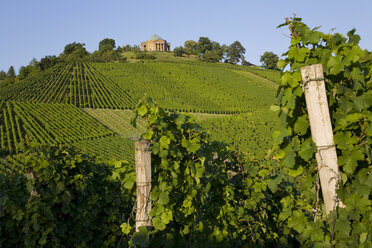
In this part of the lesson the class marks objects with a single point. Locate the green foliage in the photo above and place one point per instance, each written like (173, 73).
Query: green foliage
(106, 44)
(190, 47)
(66, 200)
(347, 71)
(235, 53)
(269, 60)
(8, 78)
(207, 50)
(3, 75)
(204, 44)
(179, 51)
(106, 52)
(107, 55)
(11, 72)
(211, 56)
(202, 194)
(74, 52)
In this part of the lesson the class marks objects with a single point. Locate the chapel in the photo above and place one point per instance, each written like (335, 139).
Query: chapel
(155, 43)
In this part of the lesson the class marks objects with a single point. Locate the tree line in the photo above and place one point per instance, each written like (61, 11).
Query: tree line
(206, 49)
(212, 51)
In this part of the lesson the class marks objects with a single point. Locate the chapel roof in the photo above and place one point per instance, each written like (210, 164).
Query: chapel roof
(155, 37)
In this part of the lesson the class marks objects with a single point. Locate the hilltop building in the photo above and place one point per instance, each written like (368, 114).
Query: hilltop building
(155, 43)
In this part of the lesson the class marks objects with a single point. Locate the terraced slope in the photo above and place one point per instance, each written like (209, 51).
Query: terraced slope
(74, 83)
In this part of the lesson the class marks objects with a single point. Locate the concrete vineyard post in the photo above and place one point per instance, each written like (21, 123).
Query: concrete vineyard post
(322, 133)
(143, 182)
(30, 176)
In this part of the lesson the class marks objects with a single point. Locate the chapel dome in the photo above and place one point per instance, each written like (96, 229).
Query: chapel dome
(155, 37)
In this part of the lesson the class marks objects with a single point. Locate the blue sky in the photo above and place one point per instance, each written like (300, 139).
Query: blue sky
(43, 27)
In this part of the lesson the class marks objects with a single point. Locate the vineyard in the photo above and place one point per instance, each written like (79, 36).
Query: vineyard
(45, 124)
(55, 106)
(118, 121)
(249, 133)
(191, 87)
(79, 84)
(214, 168)
(108, 148)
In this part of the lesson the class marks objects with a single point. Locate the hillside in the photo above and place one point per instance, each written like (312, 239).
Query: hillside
(84, 104)
(79, 84)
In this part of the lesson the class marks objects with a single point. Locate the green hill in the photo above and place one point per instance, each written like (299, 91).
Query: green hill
(84, 104)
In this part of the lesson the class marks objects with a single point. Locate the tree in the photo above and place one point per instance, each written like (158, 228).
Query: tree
(178, 51)
(127, 48)
(211, 56)
(269, 60)
(72, 47)
(236, 52)
(3, 75)
(24, 71)
(204, 44)
(119, 49)
(74, 52)
(216, 50)
(11, 72)
(106, 44)
(190, 47)
(47, 62)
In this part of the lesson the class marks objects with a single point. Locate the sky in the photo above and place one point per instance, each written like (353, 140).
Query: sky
(34, 29)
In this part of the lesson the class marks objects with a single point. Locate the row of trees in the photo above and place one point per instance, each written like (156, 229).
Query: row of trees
(7, 78)
(107, 51)
(212, 51)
